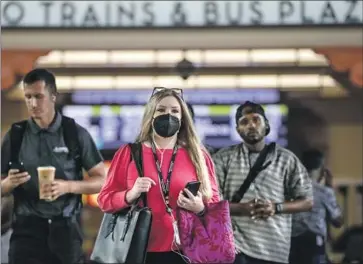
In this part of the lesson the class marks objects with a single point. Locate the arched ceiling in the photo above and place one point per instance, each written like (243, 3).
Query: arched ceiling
(342, 59)
(346, 59)
(16, 63)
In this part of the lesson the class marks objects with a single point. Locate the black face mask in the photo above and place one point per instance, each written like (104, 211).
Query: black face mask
(166, 125)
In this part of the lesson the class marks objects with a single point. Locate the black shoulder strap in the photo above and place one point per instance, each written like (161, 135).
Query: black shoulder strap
(71, 140)
(70, 135)
(16, 138)
(136, 155)
(254, 171)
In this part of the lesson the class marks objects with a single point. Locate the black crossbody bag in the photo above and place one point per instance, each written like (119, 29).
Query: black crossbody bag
(254, 171)
(123, 236)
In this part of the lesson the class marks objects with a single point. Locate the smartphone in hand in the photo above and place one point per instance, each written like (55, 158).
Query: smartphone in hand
(193, 187)
(17, 166)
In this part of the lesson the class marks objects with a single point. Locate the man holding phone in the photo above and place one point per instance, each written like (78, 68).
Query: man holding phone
(16, 176)
(265, 184)
(47, 231)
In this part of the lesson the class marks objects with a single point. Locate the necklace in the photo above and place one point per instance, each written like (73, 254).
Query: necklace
(161, 152)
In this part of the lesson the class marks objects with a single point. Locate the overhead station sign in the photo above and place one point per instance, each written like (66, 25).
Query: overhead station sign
(174, 14)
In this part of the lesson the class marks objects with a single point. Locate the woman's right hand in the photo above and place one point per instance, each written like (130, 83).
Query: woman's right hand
(142, 184)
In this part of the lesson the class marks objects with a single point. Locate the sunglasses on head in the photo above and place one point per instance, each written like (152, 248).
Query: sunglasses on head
(178, 91)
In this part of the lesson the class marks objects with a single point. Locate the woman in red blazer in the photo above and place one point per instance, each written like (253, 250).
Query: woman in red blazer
(172, 156)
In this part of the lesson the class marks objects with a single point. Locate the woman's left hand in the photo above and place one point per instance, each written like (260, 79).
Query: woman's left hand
(191, 203)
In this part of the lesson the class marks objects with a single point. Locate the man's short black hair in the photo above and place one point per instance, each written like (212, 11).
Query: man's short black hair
(312, 159)
(41, 75)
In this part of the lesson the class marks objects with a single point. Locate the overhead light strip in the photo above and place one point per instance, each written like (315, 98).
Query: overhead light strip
(149, 58)
(283, 82)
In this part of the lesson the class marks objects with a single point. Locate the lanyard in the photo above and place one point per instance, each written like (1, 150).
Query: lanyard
(165, 186)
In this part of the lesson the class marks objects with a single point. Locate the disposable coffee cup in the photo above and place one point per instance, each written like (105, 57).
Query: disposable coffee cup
(46, 175)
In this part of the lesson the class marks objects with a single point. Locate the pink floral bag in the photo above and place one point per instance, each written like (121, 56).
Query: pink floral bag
(207, 239)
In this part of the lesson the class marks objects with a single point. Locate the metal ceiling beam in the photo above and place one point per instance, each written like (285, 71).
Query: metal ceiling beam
(181, 38)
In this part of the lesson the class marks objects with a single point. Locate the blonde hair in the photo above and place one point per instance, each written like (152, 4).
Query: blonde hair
(187, 137)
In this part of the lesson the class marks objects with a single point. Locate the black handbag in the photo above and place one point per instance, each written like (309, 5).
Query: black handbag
(123, 236)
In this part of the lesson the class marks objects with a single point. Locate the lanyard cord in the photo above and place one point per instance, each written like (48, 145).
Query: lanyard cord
(165, 185)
